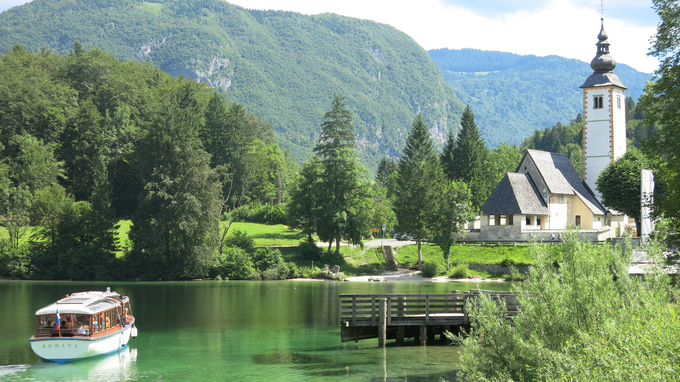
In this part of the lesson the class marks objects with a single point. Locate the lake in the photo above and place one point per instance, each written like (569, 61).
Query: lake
(233, 330)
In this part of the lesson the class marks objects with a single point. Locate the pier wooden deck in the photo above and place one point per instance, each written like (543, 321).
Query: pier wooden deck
(417, 316)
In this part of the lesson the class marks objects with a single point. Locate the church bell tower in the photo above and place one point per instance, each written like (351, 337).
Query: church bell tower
(604, 114)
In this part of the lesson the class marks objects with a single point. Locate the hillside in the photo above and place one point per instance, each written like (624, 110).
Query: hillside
(513, 95)
(282, 66)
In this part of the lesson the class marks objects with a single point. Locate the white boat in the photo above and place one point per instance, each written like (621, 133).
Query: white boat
(83, 325)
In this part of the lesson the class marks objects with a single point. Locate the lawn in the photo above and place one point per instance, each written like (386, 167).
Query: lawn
(269, 235)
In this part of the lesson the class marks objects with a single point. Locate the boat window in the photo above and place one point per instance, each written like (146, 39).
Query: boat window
(46, 323)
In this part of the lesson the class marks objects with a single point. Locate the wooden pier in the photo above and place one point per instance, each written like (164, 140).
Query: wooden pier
(417, 316)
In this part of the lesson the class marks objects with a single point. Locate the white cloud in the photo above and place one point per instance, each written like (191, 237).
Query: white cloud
(565, 28)
(562, 27)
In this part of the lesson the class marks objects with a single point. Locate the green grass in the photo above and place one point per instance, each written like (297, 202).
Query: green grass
(269, 235)
(491, 254)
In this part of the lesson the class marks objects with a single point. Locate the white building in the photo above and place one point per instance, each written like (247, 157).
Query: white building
(545, 195)
(604, 115)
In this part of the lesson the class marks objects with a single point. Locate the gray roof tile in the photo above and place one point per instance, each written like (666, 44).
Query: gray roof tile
(515, 194)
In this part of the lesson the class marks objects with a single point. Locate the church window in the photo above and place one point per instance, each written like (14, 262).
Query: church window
(538, 221)
(618, 101)
(597, 102)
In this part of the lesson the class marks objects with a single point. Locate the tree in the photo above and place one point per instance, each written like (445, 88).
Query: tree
(469, 159)
(619, 184)
(660, 102)
(501, 160)
(343, 187)
(455, 210)
(447, 156)
(386, 175)
(303, 207)
(176, 226)
(419, 181)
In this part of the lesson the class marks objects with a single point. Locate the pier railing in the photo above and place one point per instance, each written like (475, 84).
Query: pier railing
(366, 316)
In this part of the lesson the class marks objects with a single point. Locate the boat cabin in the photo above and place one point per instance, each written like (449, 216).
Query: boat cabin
(84, 314)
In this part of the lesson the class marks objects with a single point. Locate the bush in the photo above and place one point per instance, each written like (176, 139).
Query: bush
(266, 258)
(278, 272)
(514, 275)
(234, 264)
(310, 251)
(430, 270)
(240, 239)
(460, 271)
(586, 320)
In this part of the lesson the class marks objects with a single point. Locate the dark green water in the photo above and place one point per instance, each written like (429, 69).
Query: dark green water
(219, 331)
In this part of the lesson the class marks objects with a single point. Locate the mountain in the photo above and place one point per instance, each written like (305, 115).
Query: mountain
(282, 66)
(513, 95)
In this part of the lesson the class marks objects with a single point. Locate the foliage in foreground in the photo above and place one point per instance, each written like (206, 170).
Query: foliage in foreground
(582, 318)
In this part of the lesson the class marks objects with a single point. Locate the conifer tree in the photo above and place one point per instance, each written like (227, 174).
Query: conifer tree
(343, 189)
(419, 181)
(469, 159)
(447, 156)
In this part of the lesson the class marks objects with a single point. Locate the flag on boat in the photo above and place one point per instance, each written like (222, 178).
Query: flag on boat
(57, 323)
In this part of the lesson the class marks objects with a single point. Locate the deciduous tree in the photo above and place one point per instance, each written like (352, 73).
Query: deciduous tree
(619, 184)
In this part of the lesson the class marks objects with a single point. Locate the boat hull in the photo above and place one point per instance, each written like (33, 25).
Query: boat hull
(62, 349)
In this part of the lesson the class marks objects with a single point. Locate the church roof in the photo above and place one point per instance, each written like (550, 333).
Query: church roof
(560, 177)
(603, 65)
(603, 78)
(515, 194)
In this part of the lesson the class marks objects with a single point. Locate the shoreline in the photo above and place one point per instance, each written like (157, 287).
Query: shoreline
(405, 276)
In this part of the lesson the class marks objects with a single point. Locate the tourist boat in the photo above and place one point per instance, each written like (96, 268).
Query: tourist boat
(83, 325)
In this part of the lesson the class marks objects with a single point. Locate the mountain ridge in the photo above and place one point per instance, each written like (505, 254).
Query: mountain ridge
(283, 66)
(514, 95)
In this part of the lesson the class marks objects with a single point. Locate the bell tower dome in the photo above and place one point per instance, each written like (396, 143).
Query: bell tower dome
(604, 114)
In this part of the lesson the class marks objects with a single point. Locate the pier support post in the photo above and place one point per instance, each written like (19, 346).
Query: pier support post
(423, 335)
(400, 334)
(382, 323)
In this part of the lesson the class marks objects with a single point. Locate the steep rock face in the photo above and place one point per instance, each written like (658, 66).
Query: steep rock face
(282, 66)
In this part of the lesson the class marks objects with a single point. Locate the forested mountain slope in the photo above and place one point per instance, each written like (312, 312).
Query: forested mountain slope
(512, 95)
(282, 66)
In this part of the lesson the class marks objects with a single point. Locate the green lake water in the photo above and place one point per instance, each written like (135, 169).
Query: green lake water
(227, 331)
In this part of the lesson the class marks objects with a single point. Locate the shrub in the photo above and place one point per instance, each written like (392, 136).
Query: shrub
(234, 264)
(430, 270)
(266, 258)
(277, 272)
(514, 275)
(460, 271)
(586, 320)
(309, 250)
(240, 239)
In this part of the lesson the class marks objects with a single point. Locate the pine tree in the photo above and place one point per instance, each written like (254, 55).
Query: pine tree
(419, 181)
(469, 160)
(447, 156)
(343, 189)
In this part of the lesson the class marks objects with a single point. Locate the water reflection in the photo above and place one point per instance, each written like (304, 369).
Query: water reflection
(121, 366)
(246, 331)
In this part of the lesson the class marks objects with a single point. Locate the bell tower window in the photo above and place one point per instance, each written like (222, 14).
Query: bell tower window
(597, 102)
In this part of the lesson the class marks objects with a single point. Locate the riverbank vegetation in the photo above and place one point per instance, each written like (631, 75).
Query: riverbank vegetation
(583, 318)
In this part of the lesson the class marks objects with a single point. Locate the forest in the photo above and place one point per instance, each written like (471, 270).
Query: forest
(282, 66)
(88, 140)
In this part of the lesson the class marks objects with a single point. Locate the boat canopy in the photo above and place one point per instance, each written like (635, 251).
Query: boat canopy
(84, 303)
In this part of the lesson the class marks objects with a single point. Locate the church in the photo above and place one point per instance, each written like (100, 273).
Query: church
(545, 195)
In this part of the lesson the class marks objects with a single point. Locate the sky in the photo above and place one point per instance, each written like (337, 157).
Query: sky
(566, 28)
